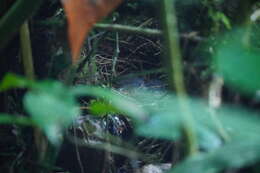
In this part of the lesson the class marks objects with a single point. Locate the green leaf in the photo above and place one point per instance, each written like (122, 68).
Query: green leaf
(52, 107)
(169, 126)
(238, 61)
(159, 115)
(167, 120)
(18, 120)
(101, 108)
(126, 105)
(11, 81)
(161, 125)
(208, 139)
(235, 154)
(224, 19)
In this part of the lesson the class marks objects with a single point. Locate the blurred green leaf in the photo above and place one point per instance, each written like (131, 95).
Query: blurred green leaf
(166, 120)
(224, 19)
(126, 105)
(238, 61)
(162, 125)
(52, 107)
(235, 154)
(208, 139)
(101, 108)
(11, 81)
(12, 119)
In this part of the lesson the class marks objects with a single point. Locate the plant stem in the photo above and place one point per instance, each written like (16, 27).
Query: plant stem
(176, 80)
(26, 51)
(143, 31)
(137, 30)
(129, 29)
(115, 56)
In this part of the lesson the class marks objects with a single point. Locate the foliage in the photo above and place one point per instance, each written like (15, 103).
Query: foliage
(217, 139)
(101, 108)
(232, 155)
(51, 105)
(235, 53)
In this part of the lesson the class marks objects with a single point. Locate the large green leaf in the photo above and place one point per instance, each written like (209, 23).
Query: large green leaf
(101, 108)
(122, 103)
(166, 120)
(159, 115)
(237, 60)
(233, 155)
(52, 107)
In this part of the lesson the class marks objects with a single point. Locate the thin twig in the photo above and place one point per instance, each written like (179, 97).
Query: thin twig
(129, 29)
(143, 31)
(136, 30)
(116, 54)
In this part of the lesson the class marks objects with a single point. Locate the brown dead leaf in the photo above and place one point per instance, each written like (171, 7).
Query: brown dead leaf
(81, 16)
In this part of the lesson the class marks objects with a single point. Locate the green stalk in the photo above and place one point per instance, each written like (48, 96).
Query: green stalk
(27, 58)
(26, 51)
(175, 73)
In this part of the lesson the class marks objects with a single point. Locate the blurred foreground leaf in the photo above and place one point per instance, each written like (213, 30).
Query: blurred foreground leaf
(233, 155)
(241, 125)
(166, 120)
(101, 108)
(11, 81)
(156, 114)
(238, 61)
(124, 104)
(18, 120)
(53, 107)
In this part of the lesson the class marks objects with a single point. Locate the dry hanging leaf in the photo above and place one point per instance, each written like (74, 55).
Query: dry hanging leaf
(81, 16)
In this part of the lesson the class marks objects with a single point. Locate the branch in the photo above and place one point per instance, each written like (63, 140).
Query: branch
(143, 31)
(129, 29)
(25, 43)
